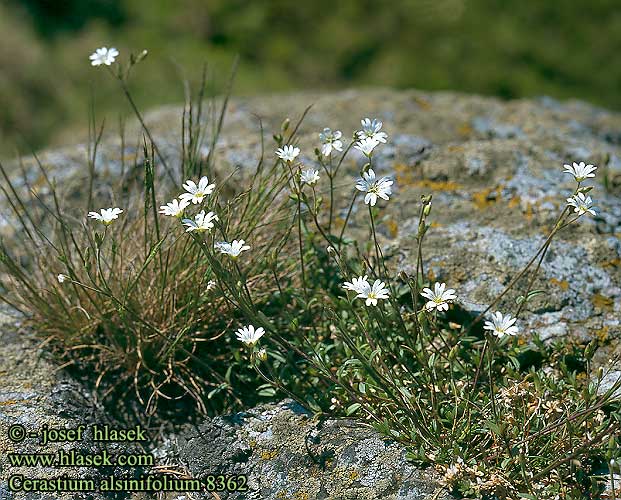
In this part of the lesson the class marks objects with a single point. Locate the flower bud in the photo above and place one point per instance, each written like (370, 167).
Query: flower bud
(262, 354)
(427, 209)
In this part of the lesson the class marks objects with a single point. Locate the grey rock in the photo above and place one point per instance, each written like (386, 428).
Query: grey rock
(288, 455)
(34, 393)
(495, 171)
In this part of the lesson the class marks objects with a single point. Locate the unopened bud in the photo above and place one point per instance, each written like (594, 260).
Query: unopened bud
(427, 209)
(590, 350)
(285, 125)
(262, 354)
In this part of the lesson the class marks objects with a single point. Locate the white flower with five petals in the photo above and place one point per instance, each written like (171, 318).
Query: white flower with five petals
(374, 293)
(197, 192)
(582, 204)
(103, 55)
(233, 249)
(175, 208)
(106, 215)
(501, 325)
(364, 290)
(357, 284)
(373, 187)
(288, 153)
(438, 298)
(581, 171)
(249, 336)
(366, 145)
(202, 222)
(330, 141)
(371, 130)
(310, 176)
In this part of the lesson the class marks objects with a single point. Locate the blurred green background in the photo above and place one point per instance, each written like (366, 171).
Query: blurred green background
(561, 48)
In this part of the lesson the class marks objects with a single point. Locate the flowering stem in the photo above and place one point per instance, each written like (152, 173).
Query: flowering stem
(331, 180)
(557, 227)
(301, 245)
(377, 248)
(351, 206)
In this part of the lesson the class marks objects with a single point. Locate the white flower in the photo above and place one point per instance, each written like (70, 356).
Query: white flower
(202, 222)
(288, 153)
(373, 187)
(249, 336)
(439, 298)
(106, 216)
(582, 204)
(373, 293)
(211, 284)
(262, 354)
(103, 55)
(175, 208)
(310, 176)
(581, 171)
(196, 193)
(501, 325)
(364, 290)
(371, 130)
(366, 145)
(357, 284)
(62, 277)
(330, 141)
(234, 249)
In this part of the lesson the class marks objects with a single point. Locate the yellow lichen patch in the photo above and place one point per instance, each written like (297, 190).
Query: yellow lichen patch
(298, 495)
(602, 334)
(403, 174)
(339, 222)
(482, 199)
(602, 302)
(353, 475)
(612, 263)
(393, 228)
(424, 104)
(464, 130)
(268, 455)
(438, 185)
(529, 211)
(431, 275)
(11, 402)
(514, 202)
(564, 285)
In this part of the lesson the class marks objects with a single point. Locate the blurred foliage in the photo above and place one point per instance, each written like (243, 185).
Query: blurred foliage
(509, 49)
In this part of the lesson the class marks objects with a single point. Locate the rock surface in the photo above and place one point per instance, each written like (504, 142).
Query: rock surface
(495, 171)
(33, 393)
(288, 456)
